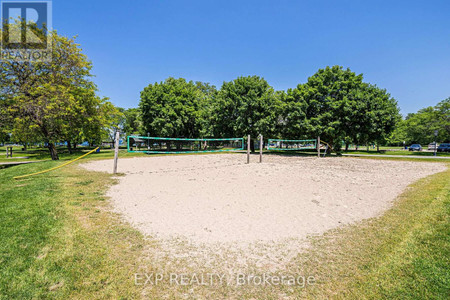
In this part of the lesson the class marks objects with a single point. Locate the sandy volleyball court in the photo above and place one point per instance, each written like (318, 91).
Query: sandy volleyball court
(214, 214)
(219, 198)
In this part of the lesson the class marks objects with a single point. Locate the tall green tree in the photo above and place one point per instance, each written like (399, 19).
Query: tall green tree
(327, 103)
(291, 124)
(5, 120)
(209, 95)
(50, 101)
(132, 124)
(382, 114)
(370, 115)
(4, 134)
(399, 135)
(420, 127)
(115, 121)
(338, 106)
(93, 119)
(246, 105)
(443, 120)
(173, 108)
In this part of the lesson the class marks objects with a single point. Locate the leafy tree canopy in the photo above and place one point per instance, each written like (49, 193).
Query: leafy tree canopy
(337, 105)
(132, 124)
(420, 127)
(53, 101)
(246, 105)
(173, 108)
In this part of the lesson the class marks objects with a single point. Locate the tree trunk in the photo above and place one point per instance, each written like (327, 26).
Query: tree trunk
(69, 147)
(53, 152)
(378, 147)
(346, 146)
(75, 145)
(25, 147)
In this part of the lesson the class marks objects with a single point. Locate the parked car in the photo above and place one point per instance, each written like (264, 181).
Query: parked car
(444, 147)
(415, 147)
(432, 146)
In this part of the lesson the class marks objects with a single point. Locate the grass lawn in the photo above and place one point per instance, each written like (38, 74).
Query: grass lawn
(59, 240)
(43, 154)
(400, 152)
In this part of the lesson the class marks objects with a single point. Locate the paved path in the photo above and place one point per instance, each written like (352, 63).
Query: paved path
(406, 156)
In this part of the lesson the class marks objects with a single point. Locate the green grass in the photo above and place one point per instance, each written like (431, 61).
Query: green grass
(43, 154)
(414, 159)
(28, 217)
(59, 240)
(399, 152)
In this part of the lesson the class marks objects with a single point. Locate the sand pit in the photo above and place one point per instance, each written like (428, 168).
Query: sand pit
(219, 198)
(207, 214)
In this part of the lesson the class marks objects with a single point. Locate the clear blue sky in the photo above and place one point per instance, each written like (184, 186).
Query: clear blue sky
(403, 46)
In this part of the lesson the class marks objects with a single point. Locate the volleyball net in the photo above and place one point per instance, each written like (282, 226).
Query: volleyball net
(146, 144)
(293, 145)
